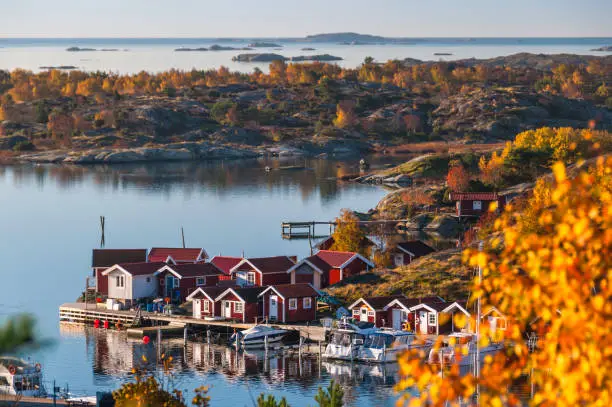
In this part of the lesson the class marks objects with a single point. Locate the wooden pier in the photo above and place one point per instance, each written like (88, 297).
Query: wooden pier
(82, 313)
(305, 230)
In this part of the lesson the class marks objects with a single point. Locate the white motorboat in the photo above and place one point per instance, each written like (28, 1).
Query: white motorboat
(463, 353)
(19, 377)
(385, 345)
(346, 340)
(257, 337)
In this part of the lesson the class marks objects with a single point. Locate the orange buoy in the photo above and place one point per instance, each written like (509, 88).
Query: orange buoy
(146, 340)
(96, 323)
(105, 324)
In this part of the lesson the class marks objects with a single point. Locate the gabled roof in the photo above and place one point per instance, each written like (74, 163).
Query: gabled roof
(460, 305)
(292, 290)
(246, 294)
(136, 269)
(376, 303)
(325, 260)
(178, 254)
(209, 292)
(110, 257)
(473, 196)
(328, 241)
(267, 265)
(225, 263)
(191, 270)
(492, 310)
(431, 306)
(416, 248)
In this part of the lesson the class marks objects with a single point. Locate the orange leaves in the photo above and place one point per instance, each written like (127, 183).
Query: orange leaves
(458, 178)
(345, 115)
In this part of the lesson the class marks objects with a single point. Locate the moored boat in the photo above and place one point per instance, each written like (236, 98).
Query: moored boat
(346, 340)
(19, 377)
(257, 337)
(463, 353)
(385, 345)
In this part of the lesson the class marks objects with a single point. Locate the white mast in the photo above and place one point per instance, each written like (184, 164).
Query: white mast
(478, 313)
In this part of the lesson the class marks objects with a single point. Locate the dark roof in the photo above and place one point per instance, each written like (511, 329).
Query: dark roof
(416, 247)
(381, 302)
(196, 269)
(177, 254)
(225, 263)
(438, 306)
(473, 196)
(249, 294)
(411, 302)
(276, 264)
(296, 290)
(110, 257)
(212, 291)
(329, 241)
(326, 260)
(141, 269)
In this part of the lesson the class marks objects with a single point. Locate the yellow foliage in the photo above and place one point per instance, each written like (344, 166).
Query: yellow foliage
(348, 235)
(551, 280)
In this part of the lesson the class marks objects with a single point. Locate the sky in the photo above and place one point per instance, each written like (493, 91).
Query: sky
(297, 18)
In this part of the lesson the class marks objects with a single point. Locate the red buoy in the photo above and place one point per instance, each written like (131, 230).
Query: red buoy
(146, 340)
(96, 323)
(105, 324)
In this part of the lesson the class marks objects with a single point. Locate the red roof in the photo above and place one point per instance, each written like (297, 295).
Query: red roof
(196, 269)
(141, 269)
(473, 196)
(276, 264)
(332, 258)
(225, 263)
(178, 254)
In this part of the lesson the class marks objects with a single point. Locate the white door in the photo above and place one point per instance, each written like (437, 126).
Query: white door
(227, 309)
(492, 324)
(398, 259)
(397, 319)
(197, 309)
(423, 321)
(364, 315)
(273, 307)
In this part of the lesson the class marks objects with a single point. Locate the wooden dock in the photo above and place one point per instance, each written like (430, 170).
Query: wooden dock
(87, 313)
(304, 230)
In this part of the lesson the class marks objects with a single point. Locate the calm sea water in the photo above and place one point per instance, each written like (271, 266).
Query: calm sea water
(49, 223)
(156, 55)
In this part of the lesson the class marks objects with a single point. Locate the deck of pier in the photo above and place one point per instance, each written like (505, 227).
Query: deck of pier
(87, 313)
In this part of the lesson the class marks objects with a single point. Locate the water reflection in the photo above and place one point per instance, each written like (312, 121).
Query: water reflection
(222, 177)
(114, 355)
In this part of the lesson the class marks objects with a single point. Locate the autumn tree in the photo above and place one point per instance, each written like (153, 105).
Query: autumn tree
(348, 235)
(61, 127)
(547, 270)
(345, 115)
(457, 179)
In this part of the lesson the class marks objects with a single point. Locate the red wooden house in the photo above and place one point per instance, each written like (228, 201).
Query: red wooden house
(289, 303)
(225, 263)
(398, 311)
(328, 267)
(476, 203)
(405, 252)
(262, 271)
(204, 305)
(239, 304)
(178, 255)
(178, 281)
(102, 259)
(372, 309)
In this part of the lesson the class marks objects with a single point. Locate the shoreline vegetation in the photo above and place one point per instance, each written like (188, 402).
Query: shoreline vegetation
(313, 109)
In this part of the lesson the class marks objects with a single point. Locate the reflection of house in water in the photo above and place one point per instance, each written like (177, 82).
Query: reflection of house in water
(278, 367)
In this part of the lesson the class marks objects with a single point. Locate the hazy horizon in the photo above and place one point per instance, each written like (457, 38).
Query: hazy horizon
(284, 19)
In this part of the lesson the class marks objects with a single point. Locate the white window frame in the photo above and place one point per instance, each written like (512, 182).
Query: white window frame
(292, 304)
(203, 281)
(398, 259)
(250, 278)
(477, 205)
(307, 303)
(371, 314)
(238, 307)
(356, 311)
(176, 283)
(120, 282)
(206, 306)
(430, 320)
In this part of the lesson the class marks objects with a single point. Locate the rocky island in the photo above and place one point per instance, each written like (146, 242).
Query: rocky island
(264, 45)
(79, 49)
(308, 109)
(607, 48)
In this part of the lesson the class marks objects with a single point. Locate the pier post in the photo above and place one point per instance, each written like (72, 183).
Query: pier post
(159, 338)
(185, 336)
(208, 336)
(266, 342)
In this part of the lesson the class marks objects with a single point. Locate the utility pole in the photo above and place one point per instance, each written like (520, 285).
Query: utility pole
(183, 236)
(102, 224)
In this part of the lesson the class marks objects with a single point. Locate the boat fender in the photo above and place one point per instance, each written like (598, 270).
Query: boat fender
(12, 370)
(37, 367)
